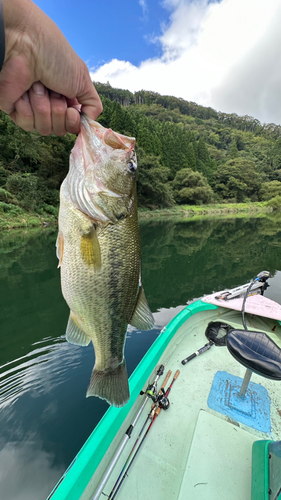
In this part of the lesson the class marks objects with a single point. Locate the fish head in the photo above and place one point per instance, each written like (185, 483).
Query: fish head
(102, 176)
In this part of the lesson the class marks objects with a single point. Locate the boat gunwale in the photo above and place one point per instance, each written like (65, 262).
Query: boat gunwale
(79, 473)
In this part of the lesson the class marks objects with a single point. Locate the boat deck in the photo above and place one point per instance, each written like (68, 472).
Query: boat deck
(191, 446)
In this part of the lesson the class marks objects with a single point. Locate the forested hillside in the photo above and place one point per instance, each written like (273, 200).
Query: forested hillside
(187, 154)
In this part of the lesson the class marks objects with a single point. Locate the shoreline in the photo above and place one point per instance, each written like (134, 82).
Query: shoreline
(29, 220)
(214, 210)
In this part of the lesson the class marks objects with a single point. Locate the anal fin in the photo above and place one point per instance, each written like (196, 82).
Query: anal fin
(74, 334)
(142, 317)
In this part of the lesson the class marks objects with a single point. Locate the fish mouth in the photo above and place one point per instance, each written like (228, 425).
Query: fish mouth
(106, 135)
(86, 183)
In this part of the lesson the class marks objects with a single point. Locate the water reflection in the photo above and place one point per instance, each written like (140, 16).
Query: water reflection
(26, 470)
(45, 417)
(186, 260)
(38, 372)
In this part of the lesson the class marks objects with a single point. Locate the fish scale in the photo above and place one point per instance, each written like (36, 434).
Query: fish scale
(100, 257)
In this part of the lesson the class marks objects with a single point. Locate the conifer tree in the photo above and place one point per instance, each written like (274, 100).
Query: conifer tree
(117, 118)
(191, 157)
(233, 150)
(144, 135)
(105, 117)
(203, 153)
(129, 124)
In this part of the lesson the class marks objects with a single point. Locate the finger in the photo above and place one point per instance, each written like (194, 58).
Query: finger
(41, 107)
(23, 114)
(58, 113)
(73, 103)
(89, 98)
(72, 121)
(15, 80)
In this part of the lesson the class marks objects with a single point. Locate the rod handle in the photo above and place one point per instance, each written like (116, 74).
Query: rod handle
(176, 374)
(166, 380)
(157, 411)
(189, 358)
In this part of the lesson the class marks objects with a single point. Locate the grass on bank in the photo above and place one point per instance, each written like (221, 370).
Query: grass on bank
(212, 209)
(12, 216)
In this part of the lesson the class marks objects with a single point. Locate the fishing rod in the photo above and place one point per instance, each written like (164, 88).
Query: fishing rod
(205, 348)
(160, 394)
(154, 413)
(150, 394)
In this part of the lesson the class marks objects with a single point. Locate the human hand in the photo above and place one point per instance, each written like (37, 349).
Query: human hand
(42, 79)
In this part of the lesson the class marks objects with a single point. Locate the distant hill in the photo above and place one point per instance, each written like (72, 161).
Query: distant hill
(204, 155)
(187, 153)
(188, 108)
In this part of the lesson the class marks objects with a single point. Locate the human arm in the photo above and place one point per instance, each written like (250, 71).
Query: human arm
(42, 77)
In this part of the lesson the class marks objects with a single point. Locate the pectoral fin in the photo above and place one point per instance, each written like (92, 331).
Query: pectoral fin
(142, 317)
(90, 249)
(60, 247)
(74, 334)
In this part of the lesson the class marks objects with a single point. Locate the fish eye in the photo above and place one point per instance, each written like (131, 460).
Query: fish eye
(132, 167)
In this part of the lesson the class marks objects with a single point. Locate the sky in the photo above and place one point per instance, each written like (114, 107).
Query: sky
(225, 54)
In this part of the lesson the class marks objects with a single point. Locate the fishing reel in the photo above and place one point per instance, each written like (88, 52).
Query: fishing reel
(151, 390)
(163, 402)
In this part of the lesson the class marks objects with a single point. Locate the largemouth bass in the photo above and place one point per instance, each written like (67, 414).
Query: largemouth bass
(99, 253)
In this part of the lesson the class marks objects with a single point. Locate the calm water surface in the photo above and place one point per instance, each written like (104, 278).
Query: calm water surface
(44, 415)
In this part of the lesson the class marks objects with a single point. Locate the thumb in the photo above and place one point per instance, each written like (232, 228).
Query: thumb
(89, 99)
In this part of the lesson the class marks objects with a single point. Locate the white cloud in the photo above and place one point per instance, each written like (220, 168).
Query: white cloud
(225, 55)
(143, 5)
(27, 471)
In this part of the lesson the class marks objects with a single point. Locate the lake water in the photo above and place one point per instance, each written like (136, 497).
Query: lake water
(44, 415)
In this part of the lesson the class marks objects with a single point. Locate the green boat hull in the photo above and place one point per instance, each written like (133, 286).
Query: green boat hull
(208, 444)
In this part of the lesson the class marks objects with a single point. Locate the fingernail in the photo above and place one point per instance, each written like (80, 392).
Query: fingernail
(38, 88)
(25, 97)
(55, 94)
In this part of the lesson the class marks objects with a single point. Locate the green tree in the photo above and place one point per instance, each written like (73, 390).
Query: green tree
(191, 157)
(237, 179)
(270, 190)
(117, 118)
(153, 187)
(203, 153)
(233, 150)
(191, 187)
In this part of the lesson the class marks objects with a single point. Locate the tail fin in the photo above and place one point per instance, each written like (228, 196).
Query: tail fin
(111, 385)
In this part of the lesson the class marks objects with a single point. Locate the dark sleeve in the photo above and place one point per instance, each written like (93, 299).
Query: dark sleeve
(2, 37)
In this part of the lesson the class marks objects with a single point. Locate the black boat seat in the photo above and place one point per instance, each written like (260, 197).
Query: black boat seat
(256, 351)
